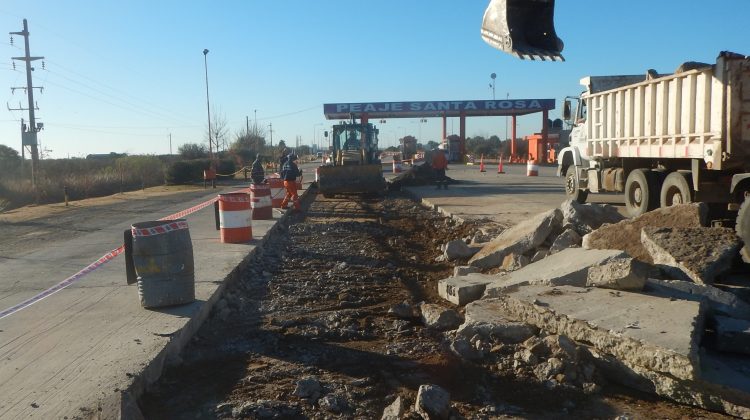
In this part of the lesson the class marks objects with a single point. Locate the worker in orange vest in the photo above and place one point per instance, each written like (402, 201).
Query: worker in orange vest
(439, 165)
(289, 174)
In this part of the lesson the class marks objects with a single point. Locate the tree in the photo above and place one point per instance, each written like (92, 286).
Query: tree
(248, 143)
(219, 131)
(193, 151)
(8, 154)
(432, 145)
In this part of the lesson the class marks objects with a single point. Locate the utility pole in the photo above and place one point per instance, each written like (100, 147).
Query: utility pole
(208, 109)
(270, 130)
(247, 125)
(170, 144)
(28, 138)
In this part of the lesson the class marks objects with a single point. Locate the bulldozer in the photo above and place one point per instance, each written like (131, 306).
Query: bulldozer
(355, 165)
(523, 28)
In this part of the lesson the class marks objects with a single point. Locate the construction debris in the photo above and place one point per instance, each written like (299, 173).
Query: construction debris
(568, 239)
(732, 335)
(519, 239)
(718, 301)
(460, 290)
(620, 274)
(626, 235)
(697, 254)
(439, 318)
(585, 218)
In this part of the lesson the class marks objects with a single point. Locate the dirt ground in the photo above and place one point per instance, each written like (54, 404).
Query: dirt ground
(324, 323)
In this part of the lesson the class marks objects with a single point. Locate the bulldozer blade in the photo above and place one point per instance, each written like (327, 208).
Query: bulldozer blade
(524, 28)
(351, 179)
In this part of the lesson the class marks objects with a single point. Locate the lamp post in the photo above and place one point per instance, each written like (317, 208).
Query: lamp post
(493, 76)
(315, 133)
(208, 107)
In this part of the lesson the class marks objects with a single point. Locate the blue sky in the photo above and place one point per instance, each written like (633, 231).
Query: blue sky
(122, 76)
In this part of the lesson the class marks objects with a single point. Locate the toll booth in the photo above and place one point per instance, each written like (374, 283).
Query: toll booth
(454, 150)
(543, 151)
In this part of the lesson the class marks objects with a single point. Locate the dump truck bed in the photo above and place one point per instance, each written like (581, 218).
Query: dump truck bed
(697, 114)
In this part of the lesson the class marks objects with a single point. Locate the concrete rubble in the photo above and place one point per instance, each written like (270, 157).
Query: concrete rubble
(620, 273)
(438, 317)
(458, 249)
(464, 270)
(718, 301)
(600, 306)
(696, 254)
(460, 290)
(585, 218)
(519, 239)
(394, 411)
(433, 402)
(568, 239)
(626, 235)
(567, 267)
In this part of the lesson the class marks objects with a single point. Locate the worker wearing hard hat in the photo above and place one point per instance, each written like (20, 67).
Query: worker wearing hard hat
(439, 165)
(289, 173)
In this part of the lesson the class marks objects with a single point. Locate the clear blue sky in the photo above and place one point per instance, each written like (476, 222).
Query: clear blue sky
(121, 76)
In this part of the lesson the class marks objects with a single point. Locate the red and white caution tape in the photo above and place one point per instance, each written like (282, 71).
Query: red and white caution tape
(94, 265)
(158, 230)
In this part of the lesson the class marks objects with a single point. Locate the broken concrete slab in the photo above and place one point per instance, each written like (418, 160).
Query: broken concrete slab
(697, 254)
(732, 335)
(585, 218)
(464, 289)
(463, 270)
(724, 384)
(513, 262)
(626, 235)
(640, 330)
(718, 301)
(620, 274)
(458, 249)
(438, 317)
(487, 318)
(540, 254)
(519, 239)
(568, 239)
(567, 267)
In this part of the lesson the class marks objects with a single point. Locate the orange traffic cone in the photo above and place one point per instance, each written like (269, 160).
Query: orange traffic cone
(500, 166)
(481, 164)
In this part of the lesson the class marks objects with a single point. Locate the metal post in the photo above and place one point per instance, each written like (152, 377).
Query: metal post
(208, 109)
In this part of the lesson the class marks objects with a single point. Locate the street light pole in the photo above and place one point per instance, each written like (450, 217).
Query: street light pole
(493, 76)
(208, 108)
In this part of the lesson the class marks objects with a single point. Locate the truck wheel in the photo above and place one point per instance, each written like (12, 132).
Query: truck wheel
(743, 229)
(677, 189)
(572, 189)
(641, 192)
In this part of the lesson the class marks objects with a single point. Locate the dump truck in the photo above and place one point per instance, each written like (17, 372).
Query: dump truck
(664, 139)
(355, 165)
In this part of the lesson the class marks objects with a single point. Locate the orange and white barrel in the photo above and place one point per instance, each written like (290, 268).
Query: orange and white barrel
(532, 169)
(396, 167)
(235, 215)
(260, 199)
(277, 191)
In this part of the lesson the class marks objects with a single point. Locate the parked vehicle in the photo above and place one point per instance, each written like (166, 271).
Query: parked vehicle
(663, 139)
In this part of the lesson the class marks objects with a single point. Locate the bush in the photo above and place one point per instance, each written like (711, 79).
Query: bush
(186, 171)
(226, 167)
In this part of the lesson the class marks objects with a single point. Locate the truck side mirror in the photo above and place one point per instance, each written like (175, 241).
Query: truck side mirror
(567, 110)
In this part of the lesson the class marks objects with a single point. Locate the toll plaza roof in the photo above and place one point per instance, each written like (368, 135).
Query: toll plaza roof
(476, 108)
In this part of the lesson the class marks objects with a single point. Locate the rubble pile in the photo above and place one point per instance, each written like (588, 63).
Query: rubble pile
(641, 303)
(417, 175)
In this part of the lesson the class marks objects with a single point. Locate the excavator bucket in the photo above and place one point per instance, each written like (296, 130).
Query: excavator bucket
(524, 28)
(351, 179)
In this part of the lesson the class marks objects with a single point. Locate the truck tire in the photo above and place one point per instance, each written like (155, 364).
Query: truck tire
(572, 188)
(743, 229)
(676, 189)
(641, 192)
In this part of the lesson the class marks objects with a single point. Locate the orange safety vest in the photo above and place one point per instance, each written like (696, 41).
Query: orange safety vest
(439, 160)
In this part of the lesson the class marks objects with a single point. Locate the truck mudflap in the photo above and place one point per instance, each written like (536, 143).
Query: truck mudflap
(351, 179)
(524, 28)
